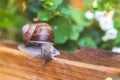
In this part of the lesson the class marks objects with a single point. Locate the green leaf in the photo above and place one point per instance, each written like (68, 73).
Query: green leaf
(3, 3)
(51, 4)
(6, 19)
(11, 3)
(75, 33)
(87, 3)
(71, 47)
(117, 22)
(78, 16)
(117, 41)
(107, 45)
(62, 29)
(87, 41)
(67, 46)
(33, 5)
(114, 1)
(43, 15)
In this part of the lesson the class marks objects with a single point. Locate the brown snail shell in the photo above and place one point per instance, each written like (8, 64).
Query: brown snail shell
(38, 33)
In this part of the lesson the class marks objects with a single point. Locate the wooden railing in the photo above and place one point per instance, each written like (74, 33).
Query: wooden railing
(83, 64)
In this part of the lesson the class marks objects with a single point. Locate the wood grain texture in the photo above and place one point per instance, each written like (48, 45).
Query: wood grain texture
(83, 64)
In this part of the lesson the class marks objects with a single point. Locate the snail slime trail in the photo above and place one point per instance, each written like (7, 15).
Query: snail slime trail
(38, 41)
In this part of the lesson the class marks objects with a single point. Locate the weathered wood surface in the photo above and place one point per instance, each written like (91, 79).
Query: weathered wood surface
(83, 64)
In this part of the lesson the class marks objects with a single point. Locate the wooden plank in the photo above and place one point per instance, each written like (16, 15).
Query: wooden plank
(83, 64)
(94, 56)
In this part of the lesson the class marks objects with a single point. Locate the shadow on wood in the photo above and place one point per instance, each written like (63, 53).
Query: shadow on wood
(83, 64)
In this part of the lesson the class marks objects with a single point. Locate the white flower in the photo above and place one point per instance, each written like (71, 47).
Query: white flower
(89, 15)
(105, 19)
(110, 34)
(108, 78)
(116, 49)
(95, 4)
(104, 38)
(99, 15)
(106, 24)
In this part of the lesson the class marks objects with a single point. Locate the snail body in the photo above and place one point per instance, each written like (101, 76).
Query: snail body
(38, 41)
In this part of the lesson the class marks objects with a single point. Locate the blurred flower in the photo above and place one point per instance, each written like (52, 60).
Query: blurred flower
(95, 4)
(110, 34)
(99, 15)
(116, 49)
(108, 78)
(104, 38)
(106, 22)
(89, 15)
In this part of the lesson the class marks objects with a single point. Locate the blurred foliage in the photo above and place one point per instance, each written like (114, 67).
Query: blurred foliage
(11, 19)
(72, 30)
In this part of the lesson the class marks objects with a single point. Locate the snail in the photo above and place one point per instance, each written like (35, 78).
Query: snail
(39, 41)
